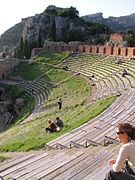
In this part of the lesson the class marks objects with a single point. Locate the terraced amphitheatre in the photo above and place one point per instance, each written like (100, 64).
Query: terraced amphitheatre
(95, 98)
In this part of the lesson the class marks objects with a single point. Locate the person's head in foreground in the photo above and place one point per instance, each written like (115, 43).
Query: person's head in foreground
(125, 132)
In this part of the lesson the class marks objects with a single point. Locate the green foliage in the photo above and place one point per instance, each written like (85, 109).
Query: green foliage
(39, 39)
(69, 12)
(25, 48)
(51, 11)
(130, 37)
(97, 40)
(2, 158)
(13, 92)
(73, 35)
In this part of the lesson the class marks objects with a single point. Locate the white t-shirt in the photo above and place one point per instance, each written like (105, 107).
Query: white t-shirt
(127, 151)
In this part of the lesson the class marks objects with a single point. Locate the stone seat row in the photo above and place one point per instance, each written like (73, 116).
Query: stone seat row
(62, 164)
(122, 83)
(100, 126)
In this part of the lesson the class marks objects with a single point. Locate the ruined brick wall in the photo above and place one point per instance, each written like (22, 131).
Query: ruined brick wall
(6, 66)
(83, 48)
(116, 37)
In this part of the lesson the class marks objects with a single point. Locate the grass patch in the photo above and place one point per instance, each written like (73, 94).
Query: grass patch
(3, 158)
(30, 70)
(32, 135)
(76, 109)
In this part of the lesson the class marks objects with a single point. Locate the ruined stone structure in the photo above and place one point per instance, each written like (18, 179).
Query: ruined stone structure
(6, 66)
(117, 40)
(89, 49)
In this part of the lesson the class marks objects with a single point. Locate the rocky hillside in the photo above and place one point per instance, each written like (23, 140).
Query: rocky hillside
(11, 37)
(116, 23)
(57, 24)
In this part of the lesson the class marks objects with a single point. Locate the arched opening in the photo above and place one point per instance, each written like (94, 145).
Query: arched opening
(111, 50)
(3, 76)
(83, 49)
(126, 51)
(119, 51)
(90, 49)
(97, 50)
(104, 51)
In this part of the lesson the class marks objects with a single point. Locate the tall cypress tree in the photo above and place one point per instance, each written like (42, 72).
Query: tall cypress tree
(39, 39)
(52, 31)
(21, 49)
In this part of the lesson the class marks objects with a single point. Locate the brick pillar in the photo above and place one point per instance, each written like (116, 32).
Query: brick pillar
(124, 51)
(94, 49)
(102, 49)
(87, 49)
(80, 48)
(117, 51)
(131, 51)
(109, 50)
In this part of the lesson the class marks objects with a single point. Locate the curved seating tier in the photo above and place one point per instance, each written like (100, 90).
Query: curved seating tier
(84, 163)
(107, 75)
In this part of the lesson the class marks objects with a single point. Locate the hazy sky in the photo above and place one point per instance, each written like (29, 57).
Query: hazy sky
(12, 11)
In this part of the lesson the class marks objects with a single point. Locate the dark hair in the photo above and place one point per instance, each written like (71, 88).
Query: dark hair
(128, 129)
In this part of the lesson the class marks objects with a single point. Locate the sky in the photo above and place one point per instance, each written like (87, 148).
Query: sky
(12, 11)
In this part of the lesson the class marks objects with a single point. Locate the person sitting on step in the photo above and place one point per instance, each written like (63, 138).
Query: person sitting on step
(123, 167)
(51, 126)
(124, 73)
(59, 122)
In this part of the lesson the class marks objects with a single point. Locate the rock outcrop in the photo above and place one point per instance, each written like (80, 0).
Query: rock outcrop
(10, 38)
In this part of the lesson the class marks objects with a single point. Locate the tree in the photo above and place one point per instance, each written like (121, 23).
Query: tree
(72, 13)
(52, 31)
(69, 12)
(39, 39)
(75, 35)
(21, 47)
(52, 11)
(130, 37)
(97, 40)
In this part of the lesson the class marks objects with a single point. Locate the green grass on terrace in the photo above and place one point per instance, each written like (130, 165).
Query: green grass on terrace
(32, 135)
(32, 69)
(76, 108)
(57, 75)
(52, 58)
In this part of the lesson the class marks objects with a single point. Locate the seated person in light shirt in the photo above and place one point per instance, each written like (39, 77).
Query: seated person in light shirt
(123, 167)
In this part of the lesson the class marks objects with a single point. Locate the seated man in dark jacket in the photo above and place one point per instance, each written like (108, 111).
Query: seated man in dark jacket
(59, 122)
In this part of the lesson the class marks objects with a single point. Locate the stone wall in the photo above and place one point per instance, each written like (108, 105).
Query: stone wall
(83, 48)
(116, 37)
(6, 66)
